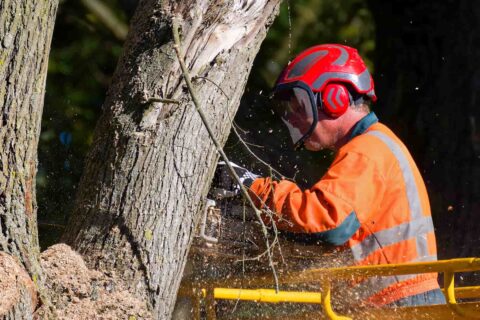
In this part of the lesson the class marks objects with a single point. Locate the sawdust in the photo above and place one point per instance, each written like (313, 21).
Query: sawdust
(81, 293)
(13, 282)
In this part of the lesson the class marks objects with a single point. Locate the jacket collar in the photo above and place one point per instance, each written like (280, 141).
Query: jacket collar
(362, 125)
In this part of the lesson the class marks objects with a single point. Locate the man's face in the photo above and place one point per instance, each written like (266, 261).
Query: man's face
(296, 112)
(325, 135)
(298, 119)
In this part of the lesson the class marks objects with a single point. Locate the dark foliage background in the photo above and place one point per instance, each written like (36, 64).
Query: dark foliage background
(83, 57)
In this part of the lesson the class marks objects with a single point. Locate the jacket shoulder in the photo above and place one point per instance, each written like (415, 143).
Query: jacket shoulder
(370, 146)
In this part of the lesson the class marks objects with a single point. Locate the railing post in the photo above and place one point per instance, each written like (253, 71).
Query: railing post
(449, 285)
(326, 302)
(210, 304)
(197, 305)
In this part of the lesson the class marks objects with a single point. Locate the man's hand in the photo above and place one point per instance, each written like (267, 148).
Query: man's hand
(246, 177)
(224, 181)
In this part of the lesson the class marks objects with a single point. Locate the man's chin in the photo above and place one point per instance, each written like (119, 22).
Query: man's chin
(312, 146)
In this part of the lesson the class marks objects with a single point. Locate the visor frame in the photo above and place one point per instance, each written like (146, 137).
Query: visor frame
(313, 103)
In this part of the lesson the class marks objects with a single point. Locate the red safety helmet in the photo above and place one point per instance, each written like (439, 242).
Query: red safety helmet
(326, 76)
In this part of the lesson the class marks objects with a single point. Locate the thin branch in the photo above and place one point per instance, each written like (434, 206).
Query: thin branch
(274, 225)
(54, 225)
(234, 175)
(266, 210)
(245, 144)
(164, 100)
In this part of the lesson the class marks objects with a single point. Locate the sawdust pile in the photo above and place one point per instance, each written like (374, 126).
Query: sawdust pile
(14, 281)
(81, 293)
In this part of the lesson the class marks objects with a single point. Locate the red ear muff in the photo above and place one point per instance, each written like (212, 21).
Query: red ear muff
(335, 100)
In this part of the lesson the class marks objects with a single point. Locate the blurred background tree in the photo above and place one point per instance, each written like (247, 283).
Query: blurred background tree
(83, 57)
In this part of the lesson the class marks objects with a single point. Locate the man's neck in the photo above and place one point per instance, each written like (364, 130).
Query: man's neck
(345, 128)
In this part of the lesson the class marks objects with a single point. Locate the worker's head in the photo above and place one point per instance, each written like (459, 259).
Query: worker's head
(322, 93)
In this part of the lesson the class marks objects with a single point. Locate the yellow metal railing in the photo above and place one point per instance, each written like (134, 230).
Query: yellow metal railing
(267, 295)
(326, 276)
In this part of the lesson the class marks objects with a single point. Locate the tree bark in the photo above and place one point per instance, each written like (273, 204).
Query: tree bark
(427, 71)
(25, 36)
(151, 163)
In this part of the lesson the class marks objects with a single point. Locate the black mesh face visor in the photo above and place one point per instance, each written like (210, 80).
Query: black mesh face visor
(295, 104)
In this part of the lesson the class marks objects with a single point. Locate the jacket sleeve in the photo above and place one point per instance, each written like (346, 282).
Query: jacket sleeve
(333, 209)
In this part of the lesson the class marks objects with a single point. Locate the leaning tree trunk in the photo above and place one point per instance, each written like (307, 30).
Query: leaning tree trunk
(151, 163)
(428, 71)
(25, 36)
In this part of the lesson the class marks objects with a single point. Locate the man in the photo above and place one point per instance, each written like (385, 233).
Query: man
(372, 200)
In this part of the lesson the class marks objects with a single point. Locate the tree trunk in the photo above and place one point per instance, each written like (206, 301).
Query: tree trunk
(150, 166)
(25, 36)
(427, 71)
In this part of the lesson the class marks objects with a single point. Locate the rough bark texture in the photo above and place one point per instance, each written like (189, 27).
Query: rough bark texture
(25, 36)
(150, 167)
(428, 91)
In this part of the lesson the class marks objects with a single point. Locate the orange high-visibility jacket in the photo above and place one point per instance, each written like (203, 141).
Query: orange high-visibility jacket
(373, 201)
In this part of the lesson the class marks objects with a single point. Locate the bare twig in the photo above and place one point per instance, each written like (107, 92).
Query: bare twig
(54, 225)
(239, 128)
(234, 175)
(274, 225)
(266, 210)
(245, 144)
(164, 100)
(243, 254)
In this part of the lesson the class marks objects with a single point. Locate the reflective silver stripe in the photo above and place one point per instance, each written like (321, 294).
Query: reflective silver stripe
(342, 59)
(419, 226)
(299, 68)
(362, 81)
(426, 258)
(422, 245)
(374, 285)
(401, 232)
(329, 99)
(410, 184)
(371, 93)
(337, 98)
